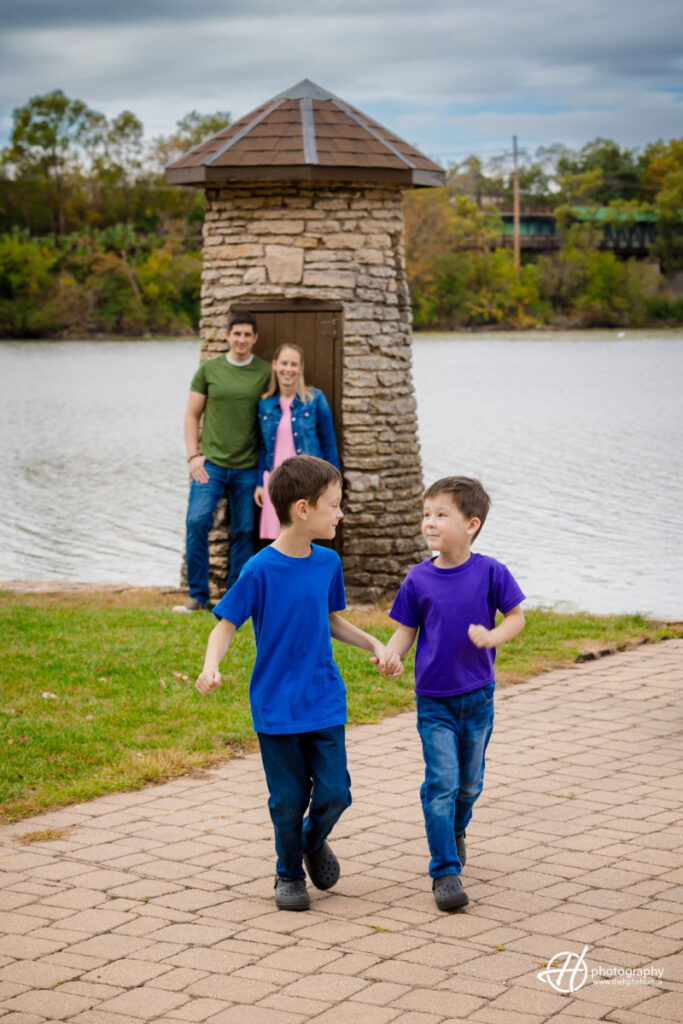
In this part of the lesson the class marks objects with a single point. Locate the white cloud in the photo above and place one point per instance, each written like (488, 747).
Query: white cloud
(444, 75)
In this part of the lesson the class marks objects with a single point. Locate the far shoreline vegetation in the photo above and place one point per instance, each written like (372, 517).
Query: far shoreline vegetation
(94, 245)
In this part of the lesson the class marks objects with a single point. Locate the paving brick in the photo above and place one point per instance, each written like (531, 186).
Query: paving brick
(126, 973)
(414, 1017)
(144, 1003)
(440, 954)
(8, 989)
(37, 973)
(402, 971)
(22, 1018)
(52, 1004)
(231, 988)
(244, 1014)
(666, 1007)
(192, 934)
(348, 1013)
(380, 993)
(197, 1010)
(27, 947)
(95, 993)
(301, 959)
(109, 947)
(309, 1007)
(439, 1001)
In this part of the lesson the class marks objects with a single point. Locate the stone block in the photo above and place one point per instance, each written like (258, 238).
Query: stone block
(255, 275)
(333, 279)
(278, 227)
(284, 264)
(236, 252)
(345, 240)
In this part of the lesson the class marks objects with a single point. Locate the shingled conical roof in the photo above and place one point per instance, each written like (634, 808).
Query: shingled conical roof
(305, 133)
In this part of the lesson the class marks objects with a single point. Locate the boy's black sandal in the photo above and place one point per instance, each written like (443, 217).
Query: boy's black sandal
(291, 894)
(449, 893)
(461, 848)
(323, 867)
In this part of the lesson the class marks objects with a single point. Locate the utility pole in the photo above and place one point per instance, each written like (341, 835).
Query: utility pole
(515, 203)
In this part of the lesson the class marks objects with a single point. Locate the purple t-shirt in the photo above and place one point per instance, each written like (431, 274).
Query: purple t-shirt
(443, 603)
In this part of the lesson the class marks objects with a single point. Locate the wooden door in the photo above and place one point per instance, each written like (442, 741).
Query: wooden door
(317, 328)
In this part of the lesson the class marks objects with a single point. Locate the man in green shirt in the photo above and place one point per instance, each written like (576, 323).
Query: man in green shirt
(225, 391)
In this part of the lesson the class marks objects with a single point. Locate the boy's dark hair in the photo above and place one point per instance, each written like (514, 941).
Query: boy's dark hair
(241, 318)
(467, 493)
(301, 476)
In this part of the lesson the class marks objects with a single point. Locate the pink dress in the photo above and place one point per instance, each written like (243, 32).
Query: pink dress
(284, 449)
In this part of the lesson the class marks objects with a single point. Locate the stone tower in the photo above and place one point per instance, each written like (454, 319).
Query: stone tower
(304, 227)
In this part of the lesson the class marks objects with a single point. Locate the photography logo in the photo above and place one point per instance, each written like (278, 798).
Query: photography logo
(566, 972)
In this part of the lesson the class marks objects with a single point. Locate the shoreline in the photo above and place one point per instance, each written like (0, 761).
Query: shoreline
(622, 332)
(68, 588)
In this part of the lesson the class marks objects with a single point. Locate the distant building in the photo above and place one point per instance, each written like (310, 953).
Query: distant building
(620, 232)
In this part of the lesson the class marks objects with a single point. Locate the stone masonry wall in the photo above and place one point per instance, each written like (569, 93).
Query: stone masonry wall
(325, 242)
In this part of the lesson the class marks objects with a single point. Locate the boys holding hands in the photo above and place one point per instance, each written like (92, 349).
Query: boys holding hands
(293, 591)
(450, 604)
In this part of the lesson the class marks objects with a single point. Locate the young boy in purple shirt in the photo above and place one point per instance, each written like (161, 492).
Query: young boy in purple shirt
(449, 603)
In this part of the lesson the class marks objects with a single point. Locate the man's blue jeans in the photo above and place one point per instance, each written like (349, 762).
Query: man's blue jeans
(240, 484)
(455, 732)
(305, 771)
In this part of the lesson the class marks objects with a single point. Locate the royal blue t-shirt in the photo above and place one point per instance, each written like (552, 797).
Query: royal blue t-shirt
(442, 604)
(295, 685)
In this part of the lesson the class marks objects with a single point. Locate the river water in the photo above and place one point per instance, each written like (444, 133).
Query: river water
(577, 437)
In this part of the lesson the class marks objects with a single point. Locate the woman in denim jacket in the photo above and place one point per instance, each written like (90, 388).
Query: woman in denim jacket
(293, 420)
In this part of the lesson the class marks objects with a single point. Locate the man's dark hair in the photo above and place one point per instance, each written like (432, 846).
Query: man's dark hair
(301, 476)
(242, 318)
(467, 493)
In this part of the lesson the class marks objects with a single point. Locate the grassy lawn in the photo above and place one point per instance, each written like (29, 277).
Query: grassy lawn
(96, 691)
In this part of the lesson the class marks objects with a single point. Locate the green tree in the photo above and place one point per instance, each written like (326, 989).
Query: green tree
(46, 131)
(664, 174)
(669, 207)
(611, 172)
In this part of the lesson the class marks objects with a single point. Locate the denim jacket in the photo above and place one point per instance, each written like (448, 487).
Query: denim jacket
(312, 428)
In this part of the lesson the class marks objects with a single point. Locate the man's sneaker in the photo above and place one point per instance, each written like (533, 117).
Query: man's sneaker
(191, 606)
(291, 894)
(449, 893)
(461, 848)
(323, 867)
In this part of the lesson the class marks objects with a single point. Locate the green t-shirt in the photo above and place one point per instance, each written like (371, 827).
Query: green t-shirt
(230, 428)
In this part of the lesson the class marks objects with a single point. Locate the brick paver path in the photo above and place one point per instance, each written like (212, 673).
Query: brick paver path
(158, 905)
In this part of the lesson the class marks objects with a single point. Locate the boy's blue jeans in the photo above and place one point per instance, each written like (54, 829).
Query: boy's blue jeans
(305, 771)
(240, 484)
(455, 732)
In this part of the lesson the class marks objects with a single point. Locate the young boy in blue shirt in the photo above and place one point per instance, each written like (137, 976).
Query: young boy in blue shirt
(450, 602)
(293, 590)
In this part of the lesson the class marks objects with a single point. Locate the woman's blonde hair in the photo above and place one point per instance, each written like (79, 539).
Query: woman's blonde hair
(304, 393)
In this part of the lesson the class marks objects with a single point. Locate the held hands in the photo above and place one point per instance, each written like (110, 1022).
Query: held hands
(481, 636)
(197, 470)
(208, 681)
(387, 662)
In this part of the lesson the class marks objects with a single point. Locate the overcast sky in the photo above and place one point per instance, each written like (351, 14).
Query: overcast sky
(451, 76)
